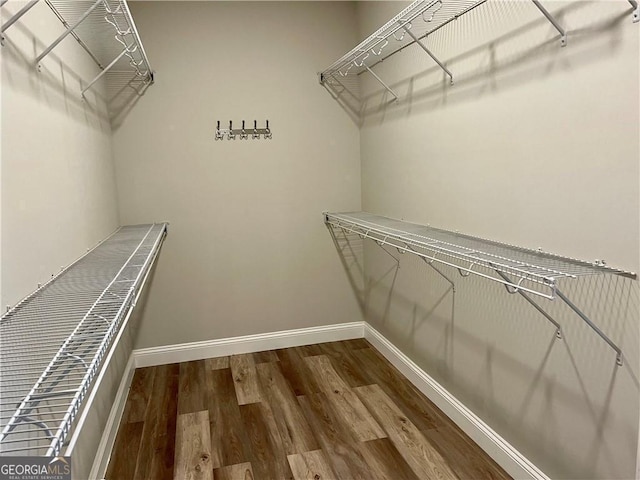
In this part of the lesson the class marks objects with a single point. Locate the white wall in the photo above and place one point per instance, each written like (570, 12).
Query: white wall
(534, 145)
(247, 250)
(58, 181)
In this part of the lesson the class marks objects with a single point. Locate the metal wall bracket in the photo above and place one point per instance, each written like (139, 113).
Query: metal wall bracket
(533, 303)
(407, 29)
(68, 31)
(554, 22)
(106, 69)
(595, 328)
(636, 10)
(17, 15)
(387, 88)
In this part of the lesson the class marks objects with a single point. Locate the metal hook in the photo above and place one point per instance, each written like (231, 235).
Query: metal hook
(467, 272)
(267, 133)
(511, 289)
(386, 42)
(355, 62)
(243, 134)
(430, 19)
(231, 135)
(346, 72)
(255, 134)
(406, 26)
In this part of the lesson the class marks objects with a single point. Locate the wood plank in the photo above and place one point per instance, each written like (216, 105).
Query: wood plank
(138, 397)
(417, 451)
(242, 471)
(344, 364)
(308, 350)
(267, 450)
(385, 461)
(229, 443)
(347, 404)
(266, 356)
(297, 436)
(418, 408)
(192, 387)
(463, 455)
(324, 373)
(217, 363)
(157, 445)
(356, 344)
(311, 466)
(193, 447)
(335, 438)
(296, 372)
(124, 457)
(243, 369)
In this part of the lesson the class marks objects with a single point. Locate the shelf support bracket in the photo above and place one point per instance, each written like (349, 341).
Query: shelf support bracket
(533, 303)
(68, 31)
(636, 10)
(437, 270)
(387, 88)
(17, 15)
(105, 70)
(423, 46)
(595, 328)
(554, 22)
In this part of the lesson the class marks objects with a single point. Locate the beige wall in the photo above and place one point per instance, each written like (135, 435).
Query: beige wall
(58, 181)
(534, 145)
(247, 251)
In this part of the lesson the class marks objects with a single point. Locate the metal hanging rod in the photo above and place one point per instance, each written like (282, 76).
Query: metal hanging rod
(243, 133)
(43, 393)
(520, 270)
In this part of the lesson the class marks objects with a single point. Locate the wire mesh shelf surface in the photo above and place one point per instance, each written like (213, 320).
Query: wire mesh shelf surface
(53, 342)
(421, 18)
(531, 271)
(108, 33)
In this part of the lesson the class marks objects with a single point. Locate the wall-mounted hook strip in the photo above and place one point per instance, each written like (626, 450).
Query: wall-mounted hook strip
(243, 132)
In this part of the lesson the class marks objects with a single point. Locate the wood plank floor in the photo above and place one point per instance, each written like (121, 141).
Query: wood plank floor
(335, 410)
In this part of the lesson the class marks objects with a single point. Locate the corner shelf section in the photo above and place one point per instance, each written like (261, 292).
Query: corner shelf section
(520, 270)
(106, 30)
(54, 342)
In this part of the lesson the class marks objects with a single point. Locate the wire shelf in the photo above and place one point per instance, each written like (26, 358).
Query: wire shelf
(108, 33)
(528, 270)
(421, 18)
(53, 342)
(411, 26)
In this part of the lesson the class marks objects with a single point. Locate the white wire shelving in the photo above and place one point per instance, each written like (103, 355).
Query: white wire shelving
(52, 343)
(520, 270)
(106, 30)
(412, 26)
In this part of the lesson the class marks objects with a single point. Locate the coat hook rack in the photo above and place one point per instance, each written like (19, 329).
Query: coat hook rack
(243, 132)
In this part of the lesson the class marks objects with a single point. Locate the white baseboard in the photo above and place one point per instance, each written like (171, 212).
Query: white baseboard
(497, 447)
(186, 352)
(504, 454)
(108, 440)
